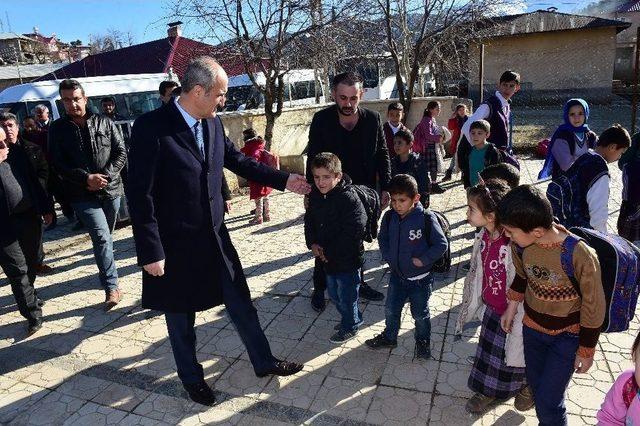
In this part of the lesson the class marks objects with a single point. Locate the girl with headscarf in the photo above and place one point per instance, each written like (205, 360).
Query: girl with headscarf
(570, 140)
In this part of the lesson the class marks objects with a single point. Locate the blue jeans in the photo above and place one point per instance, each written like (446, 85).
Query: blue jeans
(550, 365)
(343, 291)
(99, 217)
(418, 293)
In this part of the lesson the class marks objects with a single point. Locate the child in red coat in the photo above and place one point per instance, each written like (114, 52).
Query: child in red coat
(254, 147)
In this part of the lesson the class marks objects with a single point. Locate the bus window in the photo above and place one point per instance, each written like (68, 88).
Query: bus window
(24, 109)
(302, 90)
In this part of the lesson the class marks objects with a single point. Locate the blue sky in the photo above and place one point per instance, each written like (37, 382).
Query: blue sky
(145, 19)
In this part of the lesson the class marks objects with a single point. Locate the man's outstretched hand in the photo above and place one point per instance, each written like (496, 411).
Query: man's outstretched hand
(298, 184)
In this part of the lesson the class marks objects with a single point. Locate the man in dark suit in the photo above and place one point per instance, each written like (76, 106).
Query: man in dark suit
(23, 205)
(175, 172)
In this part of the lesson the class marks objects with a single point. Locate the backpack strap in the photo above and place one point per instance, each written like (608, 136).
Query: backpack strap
(566, 259)
(629, 391)
(427, 225)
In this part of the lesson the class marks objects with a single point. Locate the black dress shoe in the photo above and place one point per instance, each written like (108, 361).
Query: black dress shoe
(200, 393)
(368, 293)
(34, 326)
(282, 368)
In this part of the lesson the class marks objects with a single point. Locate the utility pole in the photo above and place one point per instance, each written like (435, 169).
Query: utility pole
(481, 73)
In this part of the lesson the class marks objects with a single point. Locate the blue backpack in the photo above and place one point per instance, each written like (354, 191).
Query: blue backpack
(619, 261)
(567, 192)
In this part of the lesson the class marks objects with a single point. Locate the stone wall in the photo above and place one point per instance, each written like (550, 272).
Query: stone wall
(291, 132)
(554, 65)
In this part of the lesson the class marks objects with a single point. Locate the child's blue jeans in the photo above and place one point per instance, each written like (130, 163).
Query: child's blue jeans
(418, 293)
(550, 365)
(343, 291)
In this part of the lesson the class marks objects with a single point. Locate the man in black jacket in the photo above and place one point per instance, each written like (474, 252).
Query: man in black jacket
(355, 135)
(38, 162)
(88, 152)
(23, 205)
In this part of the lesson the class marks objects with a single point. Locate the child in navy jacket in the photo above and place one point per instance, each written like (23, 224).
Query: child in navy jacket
(411, 241)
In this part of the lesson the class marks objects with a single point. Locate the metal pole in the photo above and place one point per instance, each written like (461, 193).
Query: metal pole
(481, 73)
(634, 100)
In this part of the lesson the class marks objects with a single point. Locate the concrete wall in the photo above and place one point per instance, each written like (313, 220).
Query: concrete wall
(291, 132)
(553, 65)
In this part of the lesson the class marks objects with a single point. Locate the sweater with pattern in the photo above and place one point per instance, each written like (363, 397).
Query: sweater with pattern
(552, 304)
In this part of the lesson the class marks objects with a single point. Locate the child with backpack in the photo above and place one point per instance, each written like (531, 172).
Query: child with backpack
(629, 218)
(564, 310)
(427, 137)
(498, 370)
(496, 109)
(483, 153)
(254, 146)
(579, 196)
(570, 140)
(410, 163)
(621, 406)
(334, 227)
(412, 241)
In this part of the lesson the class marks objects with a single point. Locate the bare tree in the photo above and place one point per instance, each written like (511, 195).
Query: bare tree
(269, 38)
(111, 40)
(423, 32)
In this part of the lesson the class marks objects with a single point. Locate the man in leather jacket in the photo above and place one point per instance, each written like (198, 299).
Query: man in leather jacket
(88, 152)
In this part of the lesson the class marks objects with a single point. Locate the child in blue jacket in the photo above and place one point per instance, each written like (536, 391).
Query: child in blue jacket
(411, 241)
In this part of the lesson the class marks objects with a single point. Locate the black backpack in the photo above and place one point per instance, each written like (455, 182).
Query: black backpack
(444, 263)
(371, 202)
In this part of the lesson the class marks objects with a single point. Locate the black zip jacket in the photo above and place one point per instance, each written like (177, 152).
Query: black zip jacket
(336, 221)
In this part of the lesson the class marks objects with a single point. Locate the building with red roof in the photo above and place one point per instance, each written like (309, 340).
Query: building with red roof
(159, 56)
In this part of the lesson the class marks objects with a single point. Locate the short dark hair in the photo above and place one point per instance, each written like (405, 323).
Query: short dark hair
(527, 208)
(348, 78)
(6, 116)
(107, 99)
(70, 84)
(488, 195)
(395, 106)
(615, 135)
(503, 171)
(249, 133)
(482, 125)
(405, 135)
(460, 106)
(327, 160)
(403, 184)
(166, 85)
(509, 76)
(176, 92)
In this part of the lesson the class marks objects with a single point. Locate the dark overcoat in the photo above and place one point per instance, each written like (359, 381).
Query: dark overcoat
(177, 210)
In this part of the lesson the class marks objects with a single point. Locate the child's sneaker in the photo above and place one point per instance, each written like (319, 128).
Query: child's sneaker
(343, 336)
(422, 349)
(381, 341)
(479, 403)
(524, 399)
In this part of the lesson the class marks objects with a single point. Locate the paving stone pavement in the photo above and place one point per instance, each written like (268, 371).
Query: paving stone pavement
(94, 368)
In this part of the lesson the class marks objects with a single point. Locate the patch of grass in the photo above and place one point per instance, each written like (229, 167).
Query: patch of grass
(531, 125)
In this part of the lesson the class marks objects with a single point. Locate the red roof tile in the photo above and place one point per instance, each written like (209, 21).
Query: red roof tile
(152, 57)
